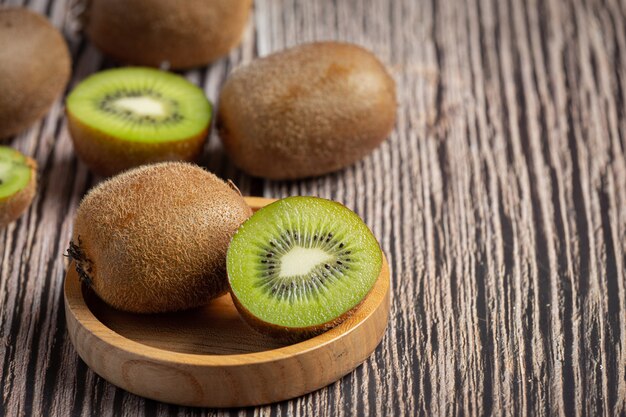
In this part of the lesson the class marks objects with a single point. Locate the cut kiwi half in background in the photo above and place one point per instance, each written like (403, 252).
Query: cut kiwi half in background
(125, 117)
(18, 184)
(300, 266)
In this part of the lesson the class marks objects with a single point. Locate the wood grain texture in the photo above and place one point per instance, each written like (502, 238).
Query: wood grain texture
(500, 199)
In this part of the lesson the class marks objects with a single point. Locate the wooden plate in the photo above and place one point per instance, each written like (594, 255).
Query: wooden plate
(208, 356)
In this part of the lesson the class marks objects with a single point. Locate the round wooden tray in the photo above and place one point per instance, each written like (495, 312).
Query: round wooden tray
(209, 356)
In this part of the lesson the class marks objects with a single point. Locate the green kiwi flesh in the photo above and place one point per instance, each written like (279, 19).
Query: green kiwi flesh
(18, 184)
(140, 105)
(301, 265)
(15, 172)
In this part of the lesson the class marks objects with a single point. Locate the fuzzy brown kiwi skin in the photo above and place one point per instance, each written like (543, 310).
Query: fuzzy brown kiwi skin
(150, 32)
(106, 155)
(306, 111)
(35, 68)
(288, 334)
(12, 207)
(154, 238)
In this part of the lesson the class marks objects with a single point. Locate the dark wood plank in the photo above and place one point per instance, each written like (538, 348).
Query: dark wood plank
(499, 199)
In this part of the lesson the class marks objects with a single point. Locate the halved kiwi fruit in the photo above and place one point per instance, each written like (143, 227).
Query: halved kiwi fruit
(34, 68)
(18, 184)
(125, 117)
(154, 239)
(301, 265)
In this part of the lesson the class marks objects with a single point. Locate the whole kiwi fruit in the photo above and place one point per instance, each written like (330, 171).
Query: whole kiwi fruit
(306, 111)
(34, 68)
(154, 239)
(183, 34)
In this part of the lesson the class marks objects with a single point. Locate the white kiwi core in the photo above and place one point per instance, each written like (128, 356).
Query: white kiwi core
(301, 261)
(142, 106)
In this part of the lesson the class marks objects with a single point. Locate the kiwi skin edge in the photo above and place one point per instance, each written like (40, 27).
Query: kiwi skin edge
(107, 155)
(289, 334)
(12, 207)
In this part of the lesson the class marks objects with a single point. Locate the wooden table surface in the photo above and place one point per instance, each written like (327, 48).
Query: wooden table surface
(500, 200)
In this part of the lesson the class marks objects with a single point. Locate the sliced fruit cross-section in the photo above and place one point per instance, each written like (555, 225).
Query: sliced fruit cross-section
(126, 117)
(300, 266)
(17, 184)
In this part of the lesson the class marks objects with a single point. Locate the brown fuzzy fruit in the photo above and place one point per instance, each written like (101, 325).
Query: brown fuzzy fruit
(306, 111)
(18, 184)
(184, 34)
(154, 239)
(34, 68)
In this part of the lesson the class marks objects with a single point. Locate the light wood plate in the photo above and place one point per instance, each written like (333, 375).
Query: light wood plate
(209, 356)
